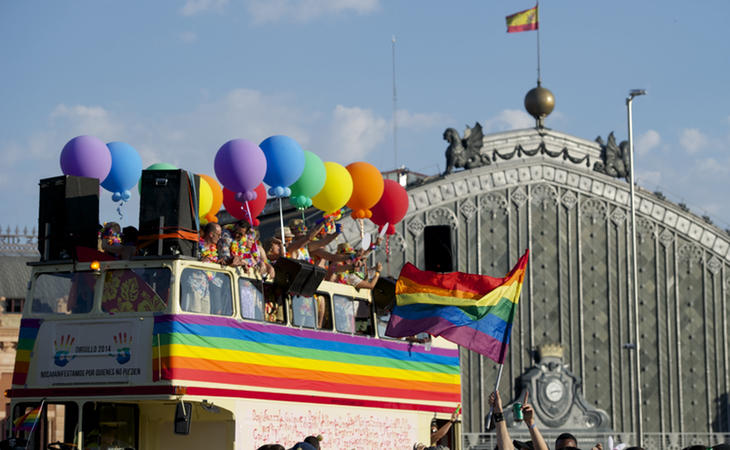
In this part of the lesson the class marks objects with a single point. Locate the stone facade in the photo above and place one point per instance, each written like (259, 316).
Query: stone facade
(542, 193)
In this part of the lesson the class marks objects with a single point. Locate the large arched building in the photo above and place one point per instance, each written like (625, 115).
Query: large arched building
(567, 200)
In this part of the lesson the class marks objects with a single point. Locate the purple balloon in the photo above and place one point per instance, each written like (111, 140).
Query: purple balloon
(86, 156)
(240, 165)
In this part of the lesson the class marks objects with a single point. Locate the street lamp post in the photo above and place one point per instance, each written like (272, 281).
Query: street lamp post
(637, 355)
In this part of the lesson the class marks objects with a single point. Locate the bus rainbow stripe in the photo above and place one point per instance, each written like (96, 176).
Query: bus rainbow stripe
(223, 350)
(26, 341)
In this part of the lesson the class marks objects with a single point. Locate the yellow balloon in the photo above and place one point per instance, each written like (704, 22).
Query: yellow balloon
(336, 191)
(205, 198)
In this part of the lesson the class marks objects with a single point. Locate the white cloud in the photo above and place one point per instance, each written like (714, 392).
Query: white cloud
(188, 37)
(647, 142)
(692, 140)
(509, 119)
(419, 121)
(192, 7)
(713, 166)
(354, 133)
(81, 119)
(267, 11)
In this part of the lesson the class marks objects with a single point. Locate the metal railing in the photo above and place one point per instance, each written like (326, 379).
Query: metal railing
(18, 242)
(586, 440)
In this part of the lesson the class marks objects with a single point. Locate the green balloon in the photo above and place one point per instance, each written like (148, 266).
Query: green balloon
(311, 180)
(155, 166)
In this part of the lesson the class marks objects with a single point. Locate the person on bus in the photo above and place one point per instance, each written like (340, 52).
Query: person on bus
(111, 239)
(208, 244)
(329, 232)
(298, 246)
(273, 249)
(355, 272)
(438, 433)
(129, 242)
(247, 252)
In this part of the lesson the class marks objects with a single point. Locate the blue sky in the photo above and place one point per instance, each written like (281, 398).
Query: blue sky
(177, 79)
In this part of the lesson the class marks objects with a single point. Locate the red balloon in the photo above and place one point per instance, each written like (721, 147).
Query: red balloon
(392, 206)
(238, 209)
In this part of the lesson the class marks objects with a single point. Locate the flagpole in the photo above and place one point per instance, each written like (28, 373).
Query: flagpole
(537, 11)
(40, 413)
(491, 408)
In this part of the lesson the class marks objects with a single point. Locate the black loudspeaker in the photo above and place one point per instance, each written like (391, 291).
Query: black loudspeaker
(298, 277)
(68, 216)
(437, 248)
(384, 293)
(167, 213)
(313, 281)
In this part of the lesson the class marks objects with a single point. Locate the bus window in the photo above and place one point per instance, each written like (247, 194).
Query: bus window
(383, 319)
(311, 312)
(251, 299)
(324, 311)
(136, 290)
(206, 292)
(304, 311)
(275, 303)
(110, 425)
(64, 293)
(352, 315)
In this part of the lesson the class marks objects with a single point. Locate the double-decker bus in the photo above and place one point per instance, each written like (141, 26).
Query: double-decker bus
(173, 353)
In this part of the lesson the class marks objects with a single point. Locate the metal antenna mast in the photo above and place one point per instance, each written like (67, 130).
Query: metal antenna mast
(395, 111)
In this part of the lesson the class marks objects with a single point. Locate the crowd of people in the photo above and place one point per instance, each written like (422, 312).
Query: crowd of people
(309, 443)
(240, 245)
(565, 441)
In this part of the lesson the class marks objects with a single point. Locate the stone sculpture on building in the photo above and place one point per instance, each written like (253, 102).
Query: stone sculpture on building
(465, 152)
(614, 158)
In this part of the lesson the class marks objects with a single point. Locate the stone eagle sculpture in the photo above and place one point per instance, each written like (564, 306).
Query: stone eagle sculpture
(614, 158)
(465, 152)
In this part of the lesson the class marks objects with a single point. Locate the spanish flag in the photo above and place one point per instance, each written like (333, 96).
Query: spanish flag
(523, 21)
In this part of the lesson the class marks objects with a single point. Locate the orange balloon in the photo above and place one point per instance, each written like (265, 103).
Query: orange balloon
(217, 198)
(367, 188)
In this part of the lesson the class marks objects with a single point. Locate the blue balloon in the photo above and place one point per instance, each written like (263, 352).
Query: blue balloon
(126, 195)
(117, 196)
(126, 168)
(284, 161)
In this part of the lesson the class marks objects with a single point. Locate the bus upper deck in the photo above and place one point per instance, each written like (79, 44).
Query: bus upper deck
(130, 341)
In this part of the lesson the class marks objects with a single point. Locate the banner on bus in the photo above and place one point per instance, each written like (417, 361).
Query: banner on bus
(103, 352)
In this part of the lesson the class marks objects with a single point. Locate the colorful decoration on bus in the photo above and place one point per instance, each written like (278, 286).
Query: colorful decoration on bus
(26, 341)
(228, 351)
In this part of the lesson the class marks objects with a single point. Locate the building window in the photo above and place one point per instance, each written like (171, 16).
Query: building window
(14, 305)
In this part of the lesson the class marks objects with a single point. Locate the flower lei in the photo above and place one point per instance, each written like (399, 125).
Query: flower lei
(208, 252)
(111, 237)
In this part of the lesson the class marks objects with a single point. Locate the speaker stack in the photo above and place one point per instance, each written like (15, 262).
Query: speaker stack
(167, 215)
(68, 216)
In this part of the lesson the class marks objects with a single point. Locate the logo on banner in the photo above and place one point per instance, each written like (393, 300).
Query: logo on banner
(123, 343)
(62, 347)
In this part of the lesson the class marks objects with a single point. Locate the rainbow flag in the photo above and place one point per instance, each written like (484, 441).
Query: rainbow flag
(523, 21)
(474, 311)
(27, 421)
